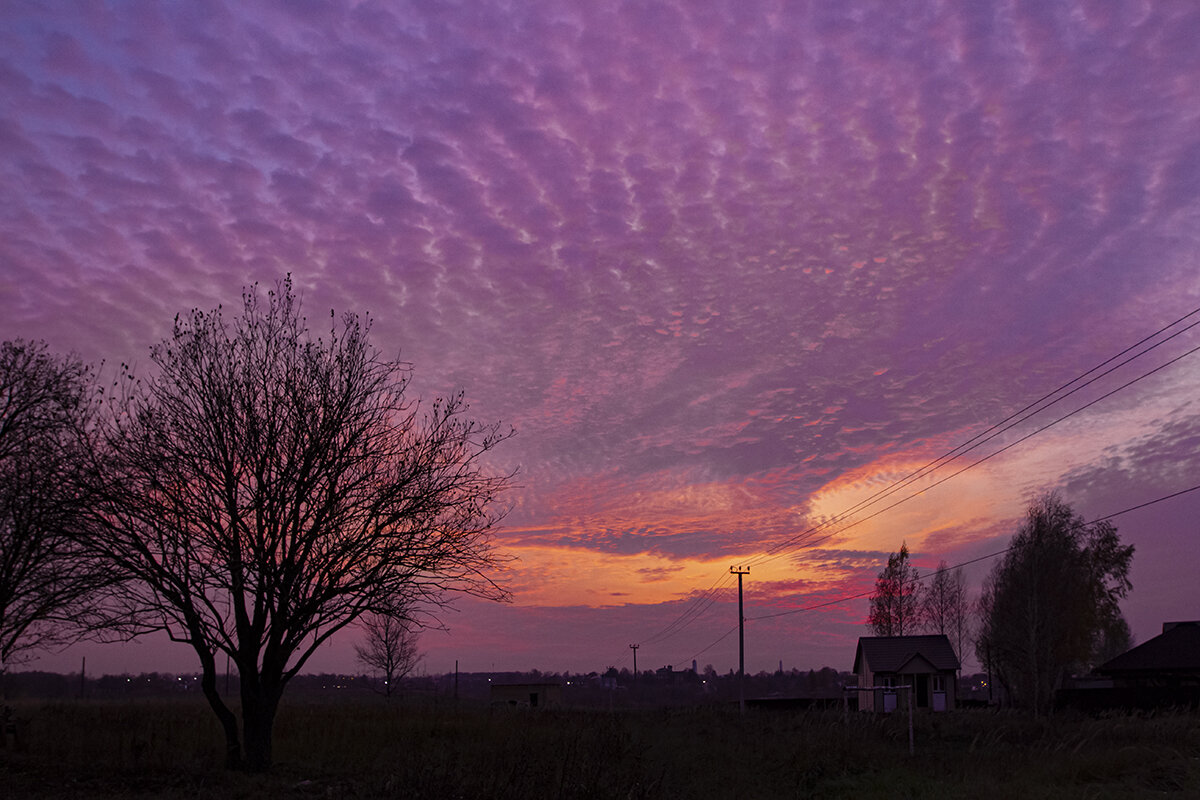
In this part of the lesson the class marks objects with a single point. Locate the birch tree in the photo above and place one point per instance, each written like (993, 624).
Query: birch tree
(1047, 606)
(945, 608)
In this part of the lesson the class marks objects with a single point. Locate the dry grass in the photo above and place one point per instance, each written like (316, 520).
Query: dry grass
(173, 749)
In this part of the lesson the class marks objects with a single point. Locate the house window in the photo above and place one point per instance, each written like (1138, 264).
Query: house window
(939, 683)
(889, 693)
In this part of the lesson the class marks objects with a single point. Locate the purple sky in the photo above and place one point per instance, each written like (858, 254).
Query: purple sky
(728, 268)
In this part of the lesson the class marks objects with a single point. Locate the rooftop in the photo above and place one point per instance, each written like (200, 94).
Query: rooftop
(1176, 649)
(891, 653)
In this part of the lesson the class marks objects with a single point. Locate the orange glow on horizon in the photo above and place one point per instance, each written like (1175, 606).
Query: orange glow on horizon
(563, 576)
(568, 559)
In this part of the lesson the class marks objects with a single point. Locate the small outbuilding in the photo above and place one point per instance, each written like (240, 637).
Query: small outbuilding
(527, 695)
(927, 664)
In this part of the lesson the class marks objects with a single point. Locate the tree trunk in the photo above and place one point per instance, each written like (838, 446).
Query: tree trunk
(258, 720)
(208, 683)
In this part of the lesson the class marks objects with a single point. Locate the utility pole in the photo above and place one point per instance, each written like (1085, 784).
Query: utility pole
(634, 648)
(740, 571)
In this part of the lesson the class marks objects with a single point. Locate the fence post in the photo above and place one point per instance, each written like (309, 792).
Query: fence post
(911, 688)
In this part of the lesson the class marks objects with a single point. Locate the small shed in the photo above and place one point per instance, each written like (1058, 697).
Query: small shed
(527, 695)
(926, 663)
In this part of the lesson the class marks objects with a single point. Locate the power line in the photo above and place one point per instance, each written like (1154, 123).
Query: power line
(1143, 505)
(696, 608)
(702, 602)
(995, 430)
(764, 559)
(704, 650)
(698, 605)
(968, 562)
(850, 597)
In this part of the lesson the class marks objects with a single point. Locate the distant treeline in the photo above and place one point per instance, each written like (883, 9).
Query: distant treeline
(56, 686)
(593, 689)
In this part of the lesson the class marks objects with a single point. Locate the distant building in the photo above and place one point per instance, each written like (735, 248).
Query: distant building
(1170, 659)
(528, 695)
(1159, 672)
(928, 664)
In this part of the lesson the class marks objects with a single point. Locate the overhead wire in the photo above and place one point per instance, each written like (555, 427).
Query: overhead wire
(1009, 422)
(696, 608)
(705, 649)
(848, 598)
(992, 455)
(702, 602)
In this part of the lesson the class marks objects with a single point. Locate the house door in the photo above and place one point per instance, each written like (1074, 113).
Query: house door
(939, 693)
(922, 691)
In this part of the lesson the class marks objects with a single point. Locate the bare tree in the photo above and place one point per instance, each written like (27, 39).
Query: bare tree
(389, 648)
(945, 607)
(45, 582)
(264, 488)
(896, 603)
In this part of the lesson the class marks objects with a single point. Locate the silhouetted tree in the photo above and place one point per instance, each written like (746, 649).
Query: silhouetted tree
(1045, 608)
(265, 488)
(46, 585)
(945, 607)
(389, 647)
(896, 603)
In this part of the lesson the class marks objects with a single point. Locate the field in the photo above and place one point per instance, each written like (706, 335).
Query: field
(172, 749)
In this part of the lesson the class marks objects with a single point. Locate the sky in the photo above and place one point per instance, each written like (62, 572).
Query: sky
(729, 268)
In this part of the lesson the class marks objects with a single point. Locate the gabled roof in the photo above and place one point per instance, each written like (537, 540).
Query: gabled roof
(892, 653)
(1176, 649)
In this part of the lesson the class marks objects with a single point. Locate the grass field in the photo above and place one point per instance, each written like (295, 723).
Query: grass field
(172, 749)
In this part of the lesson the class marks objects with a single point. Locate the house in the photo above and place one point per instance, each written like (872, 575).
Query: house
(1163, 671)
(530, 695)
(927, 664)
(1170, 659)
